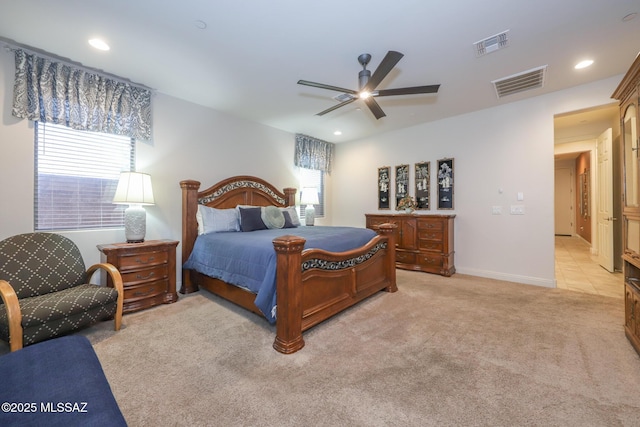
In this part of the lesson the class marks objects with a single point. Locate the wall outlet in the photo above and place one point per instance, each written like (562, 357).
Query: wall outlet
(496, 210)
(517, 209)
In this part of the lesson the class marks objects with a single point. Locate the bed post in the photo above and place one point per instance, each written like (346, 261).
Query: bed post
(389, 230)
(290, 196)
(288, 294)
(189, 229)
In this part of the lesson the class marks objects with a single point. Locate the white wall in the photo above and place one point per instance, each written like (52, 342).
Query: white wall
(498, 152)
(189, 142)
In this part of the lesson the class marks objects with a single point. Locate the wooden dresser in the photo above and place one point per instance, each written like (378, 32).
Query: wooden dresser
(148, 271)
(423, 242)
(628, 93)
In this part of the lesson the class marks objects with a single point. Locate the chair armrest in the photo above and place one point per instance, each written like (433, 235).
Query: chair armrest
(116, 279)
(14, 314)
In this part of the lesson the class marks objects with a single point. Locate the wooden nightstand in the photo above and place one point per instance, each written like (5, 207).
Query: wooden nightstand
(148, 272)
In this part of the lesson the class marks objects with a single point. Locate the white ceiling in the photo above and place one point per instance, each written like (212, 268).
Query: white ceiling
(247, 60)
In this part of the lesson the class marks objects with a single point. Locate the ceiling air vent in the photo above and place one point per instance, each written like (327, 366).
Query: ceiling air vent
(491, 44)
(527, 80)
(342, 97)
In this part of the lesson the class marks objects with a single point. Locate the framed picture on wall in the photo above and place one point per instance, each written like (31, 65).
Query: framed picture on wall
(384, 187)
(423, 182)
(445, 184)
(402, 182)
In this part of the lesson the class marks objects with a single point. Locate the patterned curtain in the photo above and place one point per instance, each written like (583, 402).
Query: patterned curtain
(312, 153)
(56, 92)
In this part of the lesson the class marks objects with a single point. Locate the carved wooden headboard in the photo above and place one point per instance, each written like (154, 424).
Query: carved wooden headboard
(229, 193)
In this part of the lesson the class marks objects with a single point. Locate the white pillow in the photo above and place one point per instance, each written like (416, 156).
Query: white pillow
(293, 214)
(212, 220)
(272, 217)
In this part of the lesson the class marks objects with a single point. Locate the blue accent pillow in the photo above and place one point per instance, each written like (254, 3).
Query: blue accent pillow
(288, 223)
(251, 219)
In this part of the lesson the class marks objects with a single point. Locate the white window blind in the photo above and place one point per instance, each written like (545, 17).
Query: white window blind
(313, 178)
(77, 174)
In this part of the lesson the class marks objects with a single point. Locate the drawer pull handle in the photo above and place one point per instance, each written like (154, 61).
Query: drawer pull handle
(141, 261)
(141, 277)
(142, 294)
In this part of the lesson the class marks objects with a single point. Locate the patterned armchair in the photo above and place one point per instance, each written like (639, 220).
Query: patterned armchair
(47, 292)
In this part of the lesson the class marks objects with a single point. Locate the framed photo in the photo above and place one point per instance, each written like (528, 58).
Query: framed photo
(384, 187)
(445, 184)
(423, 182)
(402, 182)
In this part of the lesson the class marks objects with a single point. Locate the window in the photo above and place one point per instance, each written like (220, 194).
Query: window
(313, 178)
(76, 175)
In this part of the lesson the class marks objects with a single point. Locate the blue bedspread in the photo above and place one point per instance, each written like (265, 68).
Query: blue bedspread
(248, 259)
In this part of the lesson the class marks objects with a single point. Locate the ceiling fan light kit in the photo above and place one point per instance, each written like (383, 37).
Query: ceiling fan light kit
(368, 83)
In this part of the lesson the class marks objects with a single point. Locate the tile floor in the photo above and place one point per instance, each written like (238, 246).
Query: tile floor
(578, 270)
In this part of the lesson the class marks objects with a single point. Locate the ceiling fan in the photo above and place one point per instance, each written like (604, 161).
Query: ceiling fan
(369, 83)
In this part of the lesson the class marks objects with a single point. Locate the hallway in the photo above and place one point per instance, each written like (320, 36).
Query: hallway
(577, 270)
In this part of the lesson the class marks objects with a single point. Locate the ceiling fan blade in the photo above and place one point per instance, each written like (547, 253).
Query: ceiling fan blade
(374, 107)
(388, 62)
(323, 86)
(335, 107)
(409, 90)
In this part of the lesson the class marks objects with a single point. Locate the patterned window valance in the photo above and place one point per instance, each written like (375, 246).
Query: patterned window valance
(313, 153)
(56, 92)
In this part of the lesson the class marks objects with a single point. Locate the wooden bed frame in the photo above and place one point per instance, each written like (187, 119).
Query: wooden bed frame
(312, 285)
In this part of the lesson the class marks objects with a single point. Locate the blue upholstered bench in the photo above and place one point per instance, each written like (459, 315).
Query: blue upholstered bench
(59, 382)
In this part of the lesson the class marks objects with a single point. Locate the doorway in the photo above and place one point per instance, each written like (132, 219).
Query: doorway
(576, 201)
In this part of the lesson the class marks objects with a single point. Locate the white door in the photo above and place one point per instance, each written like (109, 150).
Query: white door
(605, 200)
(563, 206)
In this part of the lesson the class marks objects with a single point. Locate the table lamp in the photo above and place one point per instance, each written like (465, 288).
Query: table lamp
(134, 189)
(309, 197)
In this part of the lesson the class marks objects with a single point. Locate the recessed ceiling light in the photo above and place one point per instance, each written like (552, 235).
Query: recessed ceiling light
(201, 25)
(337, 133)
(583, 64)
(99, 44)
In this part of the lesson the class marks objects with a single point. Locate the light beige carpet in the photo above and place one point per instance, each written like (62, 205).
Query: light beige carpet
(439, 352)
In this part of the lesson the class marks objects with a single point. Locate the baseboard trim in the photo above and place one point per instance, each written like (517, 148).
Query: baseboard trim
(527, 280)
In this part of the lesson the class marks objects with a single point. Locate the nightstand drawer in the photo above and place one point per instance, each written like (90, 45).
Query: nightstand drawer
(146, 291)
(143, 259)
(132, 278)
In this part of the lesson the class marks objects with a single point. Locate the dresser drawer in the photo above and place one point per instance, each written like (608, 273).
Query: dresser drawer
(132, 278)
(430, 261)
(143, 259)
(430, 245)
(430, 235)
(405, 257)
(147, 290)
(430, 224)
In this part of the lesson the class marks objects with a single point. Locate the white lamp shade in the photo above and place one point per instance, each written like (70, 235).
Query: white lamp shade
(134, 188)
(309, 196)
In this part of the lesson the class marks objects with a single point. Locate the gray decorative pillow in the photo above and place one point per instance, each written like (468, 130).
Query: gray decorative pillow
(272, 217)
(293, 215)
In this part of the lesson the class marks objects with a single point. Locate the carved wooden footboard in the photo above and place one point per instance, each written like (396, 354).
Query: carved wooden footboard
(311, 285)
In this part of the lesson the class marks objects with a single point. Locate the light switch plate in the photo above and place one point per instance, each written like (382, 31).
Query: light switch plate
(517, 209)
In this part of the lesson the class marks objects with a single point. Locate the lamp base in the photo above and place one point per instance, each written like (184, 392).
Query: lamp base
(135, 224)
(309, 215)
